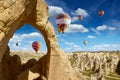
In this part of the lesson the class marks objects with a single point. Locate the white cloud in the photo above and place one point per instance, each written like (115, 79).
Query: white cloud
(26, 47)
(22, 40)
(102, 28)
(55, 10)
(106, 47)
(80, 11)
(31, 35)
(74, 19)
(62, 40)
(105, 27)
(14, 45)
(90, 36)
(16, 38)
(76, 28)
(58, 35)
(69, 43)
(71, 46)
(95, 30)
(111, 28)
(19, 38)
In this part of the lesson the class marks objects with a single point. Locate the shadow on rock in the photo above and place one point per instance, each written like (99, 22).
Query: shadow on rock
(13, 69)
(118, 68)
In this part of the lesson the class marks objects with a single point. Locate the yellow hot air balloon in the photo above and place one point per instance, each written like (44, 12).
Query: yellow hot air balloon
(85, 42)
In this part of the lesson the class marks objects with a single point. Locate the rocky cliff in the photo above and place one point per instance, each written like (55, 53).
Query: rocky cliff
(13, 15)
(97, 65)
(91, 65)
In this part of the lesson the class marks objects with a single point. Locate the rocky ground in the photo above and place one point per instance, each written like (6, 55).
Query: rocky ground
(27, 55)
(97, 65)
(93, 65)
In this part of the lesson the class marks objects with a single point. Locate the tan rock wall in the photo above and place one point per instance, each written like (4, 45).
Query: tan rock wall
(13, 14)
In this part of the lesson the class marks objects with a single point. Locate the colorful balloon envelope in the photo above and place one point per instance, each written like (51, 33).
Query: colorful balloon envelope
(63, 21)
(85, 42)
(80, 17)
(36, 46)
(101, 12)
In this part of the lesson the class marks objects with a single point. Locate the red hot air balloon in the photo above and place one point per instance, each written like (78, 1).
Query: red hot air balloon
(80, 17)
(101, 12)
(36, 46)
(62, 21)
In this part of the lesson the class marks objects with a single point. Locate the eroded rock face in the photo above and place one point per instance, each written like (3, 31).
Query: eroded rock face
(10, 66)
(13, 14)
(100, 64)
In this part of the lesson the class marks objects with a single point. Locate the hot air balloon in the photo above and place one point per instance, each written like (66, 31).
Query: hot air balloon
(36, 46)
(80, 17)
(62, 21)
(101, 12)
(16, 44)
(85, 42)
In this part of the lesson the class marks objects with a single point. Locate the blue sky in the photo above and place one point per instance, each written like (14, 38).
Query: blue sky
(102, 32)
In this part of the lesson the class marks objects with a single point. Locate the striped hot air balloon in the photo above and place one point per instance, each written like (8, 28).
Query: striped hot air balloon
(36, 46)
(62, 21)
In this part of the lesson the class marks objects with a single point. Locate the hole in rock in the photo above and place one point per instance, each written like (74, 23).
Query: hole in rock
(21, 44)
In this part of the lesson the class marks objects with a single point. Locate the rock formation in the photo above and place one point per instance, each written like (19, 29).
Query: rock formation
(13, 15)
(99, 64)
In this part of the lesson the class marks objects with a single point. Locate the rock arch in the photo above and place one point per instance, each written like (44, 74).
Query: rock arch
(14, 13)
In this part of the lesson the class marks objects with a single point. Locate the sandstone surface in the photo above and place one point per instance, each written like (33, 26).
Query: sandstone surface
(13, 15)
